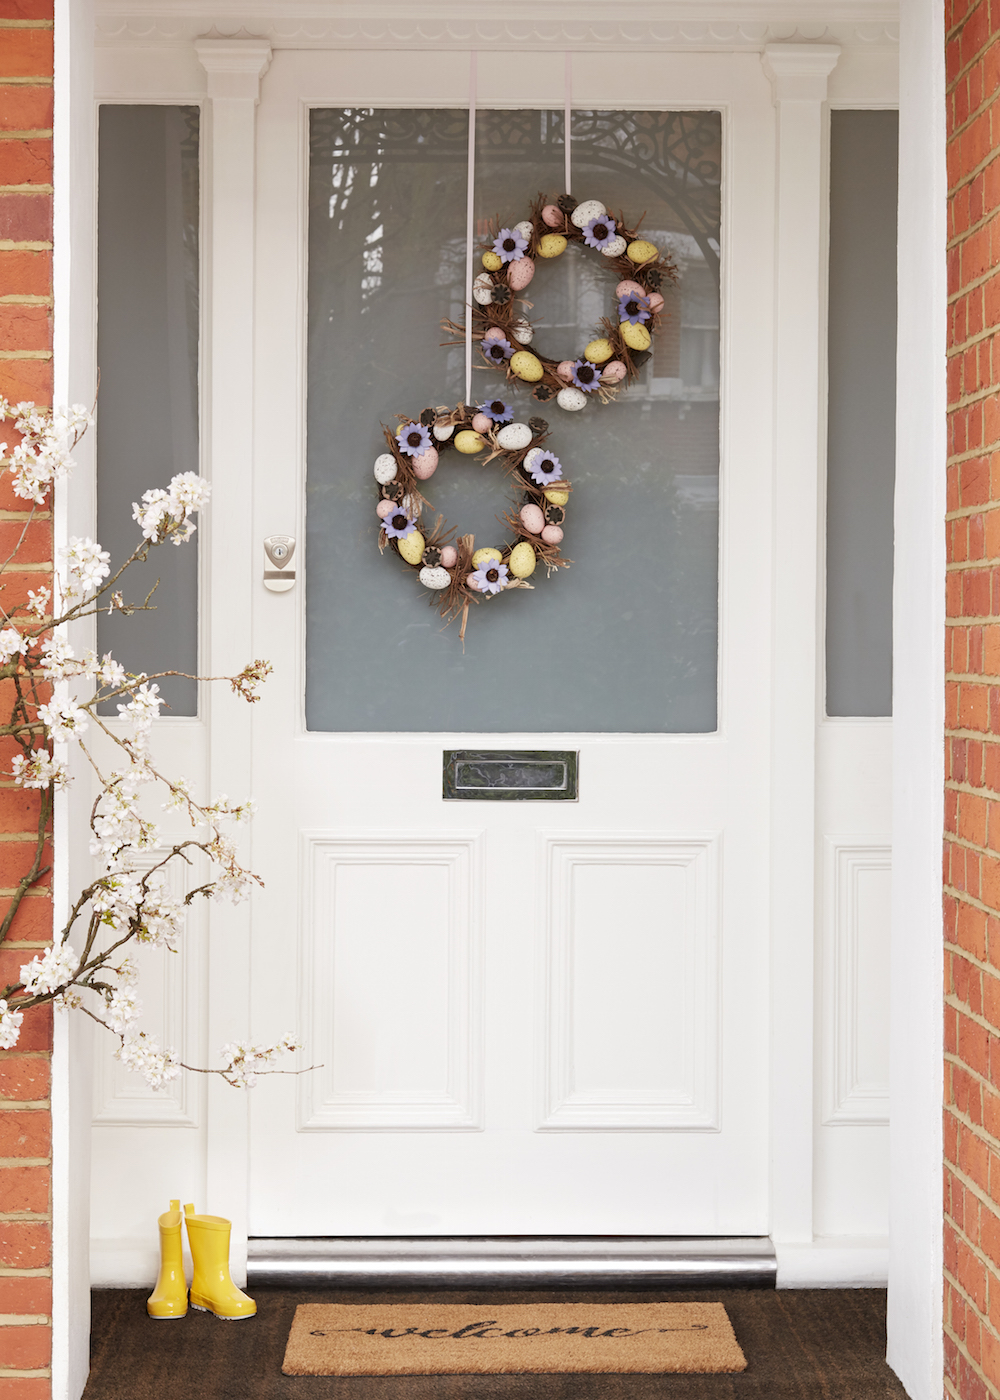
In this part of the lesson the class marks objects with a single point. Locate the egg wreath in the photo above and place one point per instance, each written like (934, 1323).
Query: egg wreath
(622, 343)
(449, 566)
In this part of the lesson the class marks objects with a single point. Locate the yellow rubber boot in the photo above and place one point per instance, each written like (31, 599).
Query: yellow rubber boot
(212, 1288)
(170, 1296)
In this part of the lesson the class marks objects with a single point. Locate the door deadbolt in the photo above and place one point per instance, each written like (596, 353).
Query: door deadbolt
(279, 550)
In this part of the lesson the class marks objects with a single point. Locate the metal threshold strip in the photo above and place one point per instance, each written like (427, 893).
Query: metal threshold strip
(514, 1261)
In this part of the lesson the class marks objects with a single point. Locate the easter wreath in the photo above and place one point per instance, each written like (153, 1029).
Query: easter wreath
(450, 567)
(622, 343)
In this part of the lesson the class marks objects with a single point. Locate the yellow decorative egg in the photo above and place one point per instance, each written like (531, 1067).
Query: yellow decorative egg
(524, 365)
(598, 351)
(492, 262)
(470, 443)
(550, 245)
(522, 560)
(635, 337)
(481, 555)
(640, 250)
(412, 547)
(557, 498)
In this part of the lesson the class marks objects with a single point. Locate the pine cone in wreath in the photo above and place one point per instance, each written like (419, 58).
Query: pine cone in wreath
(554, 515)
(538, 426)
(543, 392)
(431, 556)
(567, 203)
(428, 416)
(501, 294)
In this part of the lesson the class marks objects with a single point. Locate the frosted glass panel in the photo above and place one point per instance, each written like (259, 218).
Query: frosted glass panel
(624, 640)
(147, 350)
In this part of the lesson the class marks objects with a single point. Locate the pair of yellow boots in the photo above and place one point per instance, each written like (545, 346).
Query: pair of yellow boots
(212, 1288)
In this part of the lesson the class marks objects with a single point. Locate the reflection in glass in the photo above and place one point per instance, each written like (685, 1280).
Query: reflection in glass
(625, 640)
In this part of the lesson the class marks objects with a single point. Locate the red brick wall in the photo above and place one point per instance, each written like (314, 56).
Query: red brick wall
(25, 373)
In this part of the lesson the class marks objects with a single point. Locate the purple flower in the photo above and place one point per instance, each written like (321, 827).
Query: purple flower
(586, 376)
(496, 409)
(509, 245)
(543, 467)
(498, 350)
(633, 309)
(491, 576)
(398, 525)
(599, 232)
(414, 439)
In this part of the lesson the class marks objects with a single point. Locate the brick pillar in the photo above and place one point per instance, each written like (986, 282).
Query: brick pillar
(972, 800)
(25, 373)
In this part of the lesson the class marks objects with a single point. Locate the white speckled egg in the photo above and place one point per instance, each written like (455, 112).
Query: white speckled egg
(488, 552)
(571, 399)
(523, 331)
(514, 436)
(409, 507)
(481, 424)
(629, 288)
(385, 468)
(655, 302)
(412, 548)
(525, 228)
(520, 273)
(589, 209)
(614, 373)
(564, 369)
(615, 248)
(482, 289)
(552, 534)
(532, 518)
(552, 216)
(425, 465)
(384, 509)
(449, 556)
(434, 578)
(522, 560)
(443, 431)
(469, 443)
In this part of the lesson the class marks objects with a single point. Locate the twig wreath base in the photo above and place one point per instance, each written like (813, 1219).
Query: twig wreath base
(448, 564)
(622, 343)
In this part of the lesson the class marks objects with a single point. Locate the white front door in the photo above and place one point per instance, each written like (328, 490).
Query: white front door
(533, 1017)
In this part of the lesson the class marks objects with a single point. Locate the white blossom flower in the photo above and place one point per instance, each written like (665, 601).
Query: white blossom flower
(57, 659)
(43, 454)
(190, 491)
(11, 644)
(39, 770)
(87, 566)
(141, 710)
(38, 601)
(141, 1053)
(162, 514)
(49, 970)
(10, 1026)
(245, 1062)
(110, 672)
(161, 915)
(122, 1008)
(63, 718)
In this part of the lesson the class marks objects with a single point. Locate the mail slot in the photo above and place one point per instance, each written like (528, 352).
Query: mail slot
(510, 775)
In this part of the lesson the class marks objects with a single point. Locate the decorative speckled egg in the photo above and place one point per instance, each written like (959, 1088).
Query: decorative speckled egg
(552, 216)
(629, 288)
(524, 365)
(550, 245)
(598, 351)
(532, 518)
(522, 560)
(514, 437)
(655, 302)
(409, 507)
(481, 424)
(552, 534)
(614, 373)
(557, 498)
(482, 289)
(469, 443)
(520, 273)
(522, 331)
(525, 228)
(564, 369)
(635, 337)
(640, 250)
(472, 582)
(492, 262)
(587, 210)
(434, 578)
(443, 431)
(385, 508)
(412, 548)
(571, 399)
(385, 468)
(425, 465)
(481, 555)
(449, 556)
(495, 333)
(615, 248)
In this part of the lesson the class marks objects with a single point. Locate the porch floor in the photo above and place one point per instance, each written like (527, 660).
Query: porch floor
(810, 1344)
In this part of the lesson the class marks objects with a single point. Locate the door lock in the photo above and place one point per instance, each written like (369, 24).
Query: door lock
(279, 550)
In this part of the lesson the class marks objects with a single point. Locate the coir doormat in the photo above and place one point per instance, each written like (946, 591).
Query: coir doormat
(414, 1339)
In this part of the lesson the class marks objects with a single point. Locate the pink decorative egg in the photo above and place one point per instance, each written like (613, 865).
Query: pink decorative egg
(614, 372)
(425, 465)
(481, 424)
(471, 581)
(384, 509)
(532, 518)
(552, 534)
(449, 556)
(552, 216)
(630, 289)
(655, 302)
(495, 333)
(565, 370)
(520, 273)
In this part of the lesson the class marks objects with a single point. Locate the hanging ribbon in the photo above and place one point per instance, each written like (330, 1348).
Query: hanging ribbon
(568, 118)
(470, 225)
